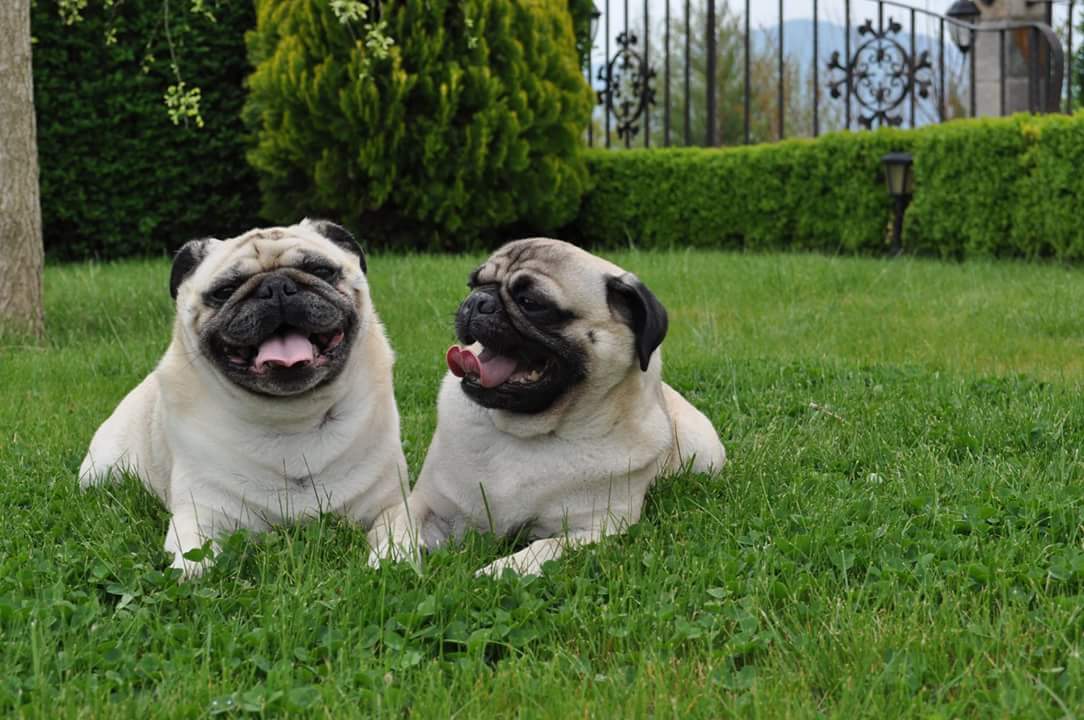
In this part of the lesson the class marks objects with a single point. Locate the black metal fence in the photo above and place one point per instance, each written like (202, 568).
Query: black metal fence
(713, 72)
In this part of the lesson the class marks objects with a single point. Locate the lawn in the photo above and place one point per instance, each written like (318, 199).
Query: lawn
(898, 532)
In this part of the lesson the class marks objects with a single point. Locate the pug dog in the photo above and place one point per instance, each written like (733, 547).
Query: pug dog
(553, 420)
(273, 401)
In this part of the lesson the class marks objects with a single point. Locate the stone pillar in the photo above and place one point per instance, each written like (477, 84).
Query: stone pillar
(1018, 47)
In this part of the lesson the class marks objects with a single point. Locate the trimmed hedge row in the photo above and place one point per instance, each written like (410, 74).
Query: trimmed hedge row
(987, 187)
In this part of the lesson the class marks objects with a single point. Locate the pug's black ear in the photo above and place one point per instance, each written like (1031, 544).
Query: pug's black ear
(641, 310)
(186, 261)
(341, 237)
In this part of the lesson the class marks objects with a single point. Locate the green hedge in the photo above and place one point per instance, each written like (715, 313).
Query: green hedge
(990, 187)
(117, 177)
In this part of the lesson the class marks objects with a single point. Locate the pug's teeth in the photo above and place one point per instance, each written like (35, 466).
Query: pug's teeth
(525, 377)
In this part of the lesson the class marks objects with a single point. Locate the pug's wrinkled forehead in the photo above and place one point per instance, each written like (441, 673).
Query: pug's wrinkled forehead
(266, 249)
(556, 260)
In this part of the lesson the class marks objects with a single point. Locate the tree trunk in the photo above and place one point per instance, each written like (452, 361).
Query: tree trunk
(21, 251)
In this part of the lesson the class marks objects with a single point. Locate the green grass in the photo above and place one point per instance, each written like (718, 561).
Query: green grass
(898, 532)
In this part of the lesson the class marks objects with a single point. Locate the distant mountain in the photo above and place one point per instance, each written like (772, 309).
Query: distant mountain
(798, 42)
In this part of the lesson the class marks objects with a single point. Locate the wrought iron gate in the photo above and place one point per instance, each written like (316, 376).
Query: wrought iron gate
(656, 70)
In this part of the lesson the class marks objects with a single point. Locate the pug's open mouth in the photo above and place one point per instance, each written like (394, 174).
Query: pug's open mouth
(286, 348)
(520, 379)
(491, 369)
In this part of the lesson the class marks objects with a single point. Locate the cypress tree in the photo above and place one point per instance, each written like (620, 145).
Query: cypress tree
(468, 129)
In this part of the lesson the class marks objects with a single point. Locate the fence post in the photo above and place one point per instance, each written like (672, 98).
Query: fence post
(847, 60)
(666, 51)
(782, 67)
(688, 56)
(816, 76)
(647, 79)
(710, 140)
(747, 72)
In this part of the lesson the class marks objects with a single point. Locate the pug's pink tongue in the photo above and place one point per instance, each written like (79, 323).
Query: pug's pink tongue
(492, 369)
(285, 350)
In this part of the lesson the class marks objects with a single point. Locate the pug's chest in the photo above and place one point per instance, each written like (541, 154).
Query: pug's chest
(544, 488)
(281, 478)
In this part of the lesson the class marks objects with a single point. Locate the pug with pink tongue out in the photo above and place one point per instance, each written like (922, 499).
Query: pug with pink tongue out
(553, 420)
(274, 400)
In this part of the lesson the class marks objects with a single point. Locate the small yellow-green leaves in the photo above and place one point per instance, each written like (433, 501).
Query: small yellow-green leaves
(182, 104)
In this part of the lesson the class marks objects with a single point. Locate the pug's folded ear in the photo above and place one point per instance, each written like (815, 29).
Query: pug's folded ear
(641, 310)
(186, 261)
(340, 236)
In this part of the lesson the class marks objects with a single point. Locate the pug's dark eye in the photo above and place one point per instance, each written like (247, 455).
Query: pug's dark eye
(529, 304)
(325, 273)
(223, 293)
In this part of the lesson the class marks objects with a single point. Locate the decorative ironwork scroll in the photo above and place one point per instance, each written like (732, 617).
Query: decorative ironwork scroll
(880, 75)
(628, 88)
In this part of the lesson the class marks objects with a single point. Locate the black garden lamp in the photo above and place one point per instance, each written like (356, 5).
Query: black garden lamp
(595, 15)
(963, 11)
(900, 181)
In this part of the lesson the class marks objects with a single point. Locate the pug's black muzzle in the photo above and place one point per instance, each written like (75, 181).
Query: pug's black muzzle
(293, 307)
(485, 318)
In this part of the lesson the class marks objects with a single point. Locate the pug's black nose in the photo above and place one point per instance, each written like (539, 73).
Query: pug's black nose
(276, 286)
(481, 303)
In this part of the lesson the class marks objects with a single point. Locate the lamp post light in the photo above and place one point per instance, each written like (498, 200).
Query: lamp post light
(900, 181)
(595, 15)
(967, 12)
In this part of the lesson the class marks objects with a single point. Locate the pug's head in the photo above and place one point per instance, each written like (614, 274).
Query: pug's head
(274, 311)
(543, 317)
